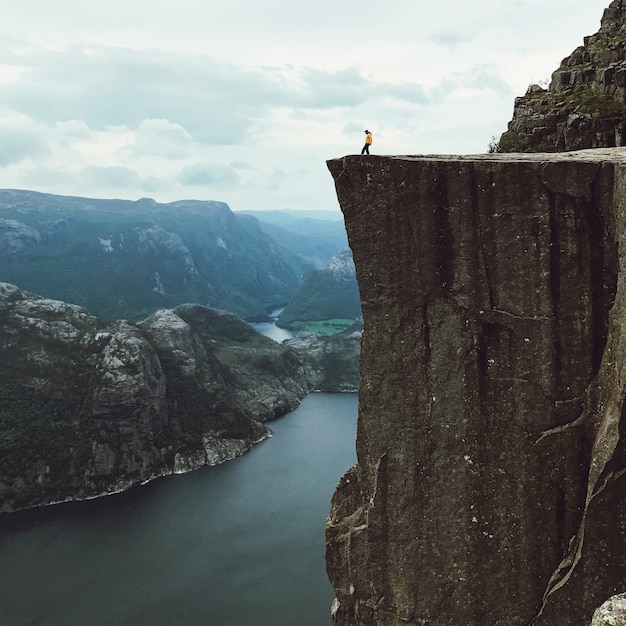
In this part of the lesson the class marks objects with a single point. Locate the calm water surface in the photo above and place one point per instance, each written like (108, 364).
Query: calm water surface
(237, 544)
(269, 329)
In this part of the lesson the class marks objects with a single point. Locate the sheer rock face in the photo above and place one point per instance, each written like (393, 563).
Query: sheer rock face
(490, 484)
(585, 103)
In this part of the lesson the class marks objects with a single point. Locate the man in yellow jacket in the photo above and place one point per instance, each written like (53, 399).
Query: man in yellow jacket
(368, 142)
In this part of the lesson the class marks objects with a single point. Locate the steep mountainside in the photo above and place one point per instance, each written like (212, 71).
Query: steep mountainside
(491, 478)
(88, 408)
(313, 236)
(325, 294)
(123, 259)
(585, 104)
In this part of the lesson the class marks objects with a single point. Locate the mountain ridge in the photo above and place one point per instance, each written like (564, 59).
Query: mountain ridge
(125, 259)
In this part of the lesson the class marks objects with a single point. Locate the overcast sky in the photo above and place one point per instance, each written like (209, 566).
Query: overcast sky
(244, 100)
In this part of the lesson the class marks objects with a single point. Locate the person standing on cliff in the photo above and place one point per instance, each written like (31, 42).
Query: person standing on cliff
(368, 142)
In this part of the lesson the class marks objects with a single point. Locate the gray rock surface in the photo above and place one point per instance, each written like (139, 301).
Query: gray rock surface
(490, 485)
(585, 103)
(88, 409)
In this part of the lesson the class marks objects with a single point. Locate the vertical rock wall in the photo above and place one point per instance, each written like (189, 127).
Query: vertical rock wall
(489, 487)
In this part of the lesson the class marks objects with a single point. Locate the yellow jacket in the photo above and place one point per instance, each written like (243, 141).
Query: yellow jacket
(368, 138)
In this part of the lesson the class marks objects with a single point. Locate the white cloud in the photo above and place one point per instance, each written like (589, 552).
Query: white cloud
(114, 177)
(450, 39)
(21, 139)
(159, 138)
(244, 101)
(213, 175)
(69, 131)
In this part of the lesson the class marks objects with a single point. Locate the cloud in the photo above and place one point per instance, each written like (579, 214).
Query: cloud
(411, 92)
(70, 131)
(93, 181)
(449, 39)
(237, 103)
(209, 175)
(322, 89)
(48, 178)
(112, 176)
(109, 86)
(20, 139)
(182, 98)
(480, 78)
(241, 165)
(159, 138)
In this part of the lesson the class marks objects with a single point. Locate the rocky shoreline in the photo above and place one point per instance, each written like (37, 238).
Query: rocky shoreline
(88, 409)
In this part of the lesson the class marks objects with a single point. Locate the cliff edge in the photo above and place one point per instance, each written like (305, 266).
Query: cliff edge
(490, 486)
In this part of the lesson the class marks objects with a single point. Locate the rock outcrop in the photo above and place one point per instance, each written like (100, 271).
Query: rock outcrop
(611, 613)
(88, 409)
(332, 362)
(585, 103)
(490, 485)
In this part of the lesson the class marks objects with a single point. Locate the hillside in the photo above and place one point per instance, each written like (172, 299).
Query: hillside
(123, 259)
(88, 408)
(312, 236)
(331, 293)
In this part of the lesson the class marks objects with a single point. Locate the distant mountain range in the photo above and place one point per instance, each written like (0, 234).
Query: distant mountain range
(126, 259)
(313, 236)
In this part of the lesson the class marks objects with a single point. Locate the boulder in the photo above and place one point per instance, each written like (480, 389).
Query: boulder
(611, 613)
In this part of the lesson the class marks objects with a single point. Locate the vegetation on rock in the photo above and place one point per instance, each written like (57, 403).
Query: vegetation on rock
(88, 408)
(585, 103)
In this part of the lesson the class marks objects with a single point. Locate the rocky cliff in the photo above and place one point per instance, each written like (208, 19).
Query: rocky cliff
(88, 408)
(585, 103)
(490, 485)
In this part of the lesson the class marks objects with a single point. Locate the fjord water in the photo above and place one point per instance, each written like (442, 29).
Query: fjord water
(239, 544)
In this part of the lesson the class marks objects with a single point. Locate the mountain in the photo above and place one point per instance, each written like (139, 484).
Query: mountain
(585, 103)
(312, 236)
(331, 293)
(292, 218)
(88, 408)
(124, 259)
(489, 487)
